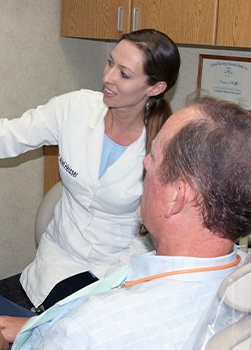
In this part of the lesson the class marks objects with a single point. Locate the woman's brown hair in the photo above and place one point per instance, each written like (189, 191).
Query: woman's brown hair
(162, 63)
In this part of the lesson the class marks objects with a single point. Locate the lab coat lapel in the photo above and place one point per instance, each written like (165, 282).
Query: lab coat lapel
(126, 163)
(95, 147)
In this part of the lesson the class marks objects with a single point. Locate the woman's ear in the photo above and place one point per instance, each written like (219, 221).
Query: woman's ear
(157, 89)
(178, 198)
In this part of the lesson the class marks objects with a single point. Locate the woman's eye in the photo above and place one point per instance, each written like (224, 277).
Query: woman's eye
(109, 62)
(124, 75)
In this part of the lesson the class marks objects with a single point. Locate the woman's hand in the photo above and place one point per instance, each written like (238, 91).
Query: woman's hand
(10, 326)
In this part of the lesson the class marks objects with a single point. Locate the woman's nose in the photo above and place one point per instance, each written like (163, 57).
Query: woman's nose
(109, 75)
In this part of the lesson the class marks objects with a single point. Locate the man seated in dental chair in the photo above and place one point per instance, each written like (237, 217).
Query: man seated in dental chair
(196, 204)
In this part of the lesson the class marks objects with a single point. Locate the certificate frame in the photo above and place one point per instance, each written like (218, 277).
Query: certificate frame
(225, 77)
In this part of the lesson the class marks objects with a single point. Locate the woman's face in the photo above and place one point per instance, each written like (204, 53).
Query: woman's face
(125, 82)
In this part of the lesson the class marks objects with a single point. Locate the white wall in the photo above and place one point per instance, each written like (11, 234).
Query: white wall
(36, 64)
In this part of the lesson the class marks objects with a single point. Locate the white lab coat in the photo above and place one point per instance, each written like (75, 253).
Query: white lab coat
(95, 223)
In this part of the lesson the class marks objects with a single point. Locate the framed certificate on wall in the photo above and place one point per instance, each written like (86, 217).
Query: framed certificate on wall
(228, 78)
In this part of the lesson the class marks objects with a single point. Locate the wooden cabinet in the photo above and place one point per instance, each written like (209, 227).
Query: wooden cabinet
(101, 19)
(206, 22)
(185, 21)
(234, 23)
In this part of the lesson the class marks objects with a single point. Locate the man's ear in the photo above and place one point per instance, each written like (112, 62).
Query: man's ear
(178, 198)
(157, 89)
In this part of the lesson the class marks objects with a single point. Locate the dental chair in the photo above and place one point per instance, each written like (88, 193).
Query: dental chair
(235, 291)
(10, 287)
(46, 210)
(227, 325)
(234, 337)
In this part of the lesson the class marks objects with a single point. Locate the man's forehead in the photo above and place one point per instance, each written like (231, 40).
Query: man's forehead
(177, 120)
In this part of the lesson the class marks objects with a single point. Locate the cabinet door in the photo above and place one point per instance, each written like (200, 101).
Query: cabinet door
(234, 23)
(185, 21)
(95, 18)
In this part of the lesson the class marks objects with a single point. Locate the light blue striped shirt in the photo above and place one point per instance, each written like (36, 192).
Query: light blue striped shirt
(160, 314)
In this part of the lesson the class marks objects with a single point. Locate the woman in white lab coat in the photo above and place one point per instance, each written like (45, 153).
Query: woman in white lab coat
(102, 140)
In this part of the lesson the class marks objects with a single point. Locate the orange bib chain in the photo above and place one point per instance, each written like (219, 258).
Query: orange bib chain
(179, 272)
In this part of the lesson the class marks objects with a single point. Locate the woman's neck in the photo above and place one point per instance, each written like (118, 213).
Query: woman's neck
(122, 128)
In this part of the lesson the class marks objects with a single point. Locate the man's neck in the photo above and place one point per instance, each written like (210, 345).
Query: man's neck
(202, 247)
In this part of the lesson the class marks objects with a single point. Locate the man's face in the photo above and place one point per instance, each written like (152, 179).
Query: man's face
(156, 196)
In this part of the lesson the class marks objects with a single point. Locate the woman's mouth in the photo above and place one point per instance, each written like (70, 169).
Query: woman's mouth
(108, 92)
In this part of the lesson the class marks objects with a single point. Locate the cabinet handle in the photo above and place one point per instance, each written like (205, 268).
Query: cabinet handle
(135, 21)
(120, 26)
